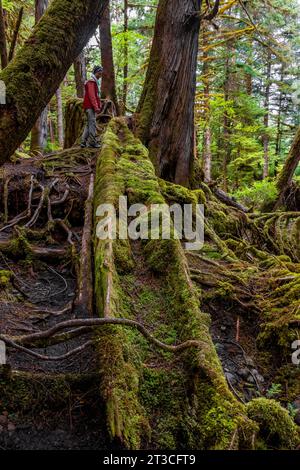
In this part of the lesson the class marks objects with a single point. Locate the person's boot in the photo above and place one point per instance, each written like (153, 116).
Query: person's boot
(94, 146)
(83, 145)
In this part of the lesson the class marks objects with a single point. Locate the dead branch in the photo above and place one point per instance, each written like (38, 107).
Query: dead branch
(84, 300)
(229, 201)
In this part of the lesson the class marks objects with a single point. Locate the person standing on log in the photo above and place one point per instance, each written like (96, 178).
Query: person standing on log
(92, 107)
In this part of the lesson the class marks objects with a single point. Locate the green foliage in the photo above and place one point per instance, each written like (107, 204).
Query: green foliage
(274, 391)
(259, 195)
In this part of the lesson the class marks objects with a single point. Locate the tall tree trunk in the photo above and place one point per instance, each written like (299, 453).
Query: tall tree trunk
(80, 74)
(108, 84)
(125, 69)
(60, 120)
(266, 118)
(207, 155)
(15, 35)
(228, 90)
(3, 44)
(51, 130)
(289, 168)
(166, 108)
(39, 131)
(279, 115)
(41, 64)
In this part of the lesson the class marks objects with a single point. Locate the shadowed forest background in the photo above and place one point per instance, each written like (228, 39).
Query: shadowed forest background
(139, 343)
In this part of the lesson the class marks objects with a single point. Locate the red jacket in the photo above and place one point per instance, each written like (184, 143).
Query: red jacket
(91, 96)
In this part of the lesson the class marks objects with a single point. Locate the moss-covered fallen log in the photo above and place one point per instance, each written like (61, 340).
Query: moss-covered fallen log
(127, 381)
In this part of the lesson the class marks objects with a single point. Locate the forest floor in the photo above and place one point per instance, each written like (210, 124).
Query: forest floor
(40, 293)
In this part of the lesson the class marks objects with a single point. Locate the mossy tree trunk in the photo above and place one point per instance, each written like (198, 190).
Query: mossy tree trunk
(289, 168)
(108, 84)
(74, 122)
(39, 131)
(80, 74)
(3, 45)
(15, 36)
(33, 77)
(60, 119)
(166, 108)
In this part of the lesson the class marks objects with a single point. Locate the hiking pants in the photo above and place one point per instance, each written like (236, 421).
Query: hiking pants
(89, 133)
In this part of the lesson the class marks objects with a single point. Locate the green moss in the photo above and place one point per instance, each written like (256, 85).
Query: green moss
(123, 256)
(181, 195)
(5, 278)
(276, 428)
(29, 394)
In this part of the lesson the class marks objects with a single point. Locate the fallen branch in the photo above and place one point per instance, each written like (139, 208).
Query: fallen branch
(84, 301)
(229, 201)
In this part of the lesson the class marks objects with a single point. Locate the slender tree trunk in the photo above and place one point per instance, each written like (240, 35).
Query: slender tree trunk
(166, 108)
(125, 69)
(279, 115)
(60, 120)
(15, 35)
(41, 64)
(108, 83)
(80, 74)
(3, 44)
(249, 84)
(51, 130)
(39, 132)
(266, 118)
(228, 89)
(289, 168)
(207, 155)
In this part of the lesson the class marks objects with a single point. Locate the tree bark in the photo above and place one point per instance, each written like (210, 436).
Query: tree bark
(41, 64)
(15, 35)
(287, 173)
(74, 121)
(207, 155)
(279, 115)
(60, 121)
(125, 68)
(228, 90)
(80, 74)
(39, 132)
(266, 118)
(108, 84)
(166, 108)
(3, 44)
